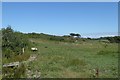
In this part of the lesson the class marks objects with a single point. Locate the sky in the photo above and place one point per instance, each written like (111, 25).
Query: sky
(90, 19)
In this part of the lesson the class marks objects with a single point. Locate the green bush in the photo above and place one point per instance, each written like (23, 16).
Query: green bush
(13, 42)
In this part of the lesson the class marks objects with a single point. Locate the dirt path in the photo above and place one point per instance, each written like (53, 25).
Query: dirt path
(32, 58)
(29, 72)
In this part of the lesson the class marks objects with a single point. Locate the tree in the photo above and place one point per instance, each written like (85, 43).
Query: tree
(72, 34)
(78, 35)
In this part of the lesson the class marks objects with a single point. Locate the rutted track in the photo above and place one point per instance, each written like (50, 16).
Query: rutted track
(30, 73)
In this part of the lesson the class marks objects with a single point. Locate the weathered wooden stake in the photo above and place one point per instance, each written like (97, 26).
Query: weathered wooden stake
(23, 50)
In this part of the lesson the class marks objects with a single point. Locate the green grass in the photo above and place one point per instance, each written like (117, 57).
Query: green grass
(0, 69)
(66, 60)
(0, 77)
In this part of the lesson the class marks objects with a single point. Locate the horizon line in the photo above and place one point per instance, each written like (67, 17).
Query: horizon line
(84, 35)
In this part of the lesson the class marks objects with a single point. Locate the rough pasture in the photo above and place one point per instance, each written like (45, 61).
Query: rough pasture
(80, 59)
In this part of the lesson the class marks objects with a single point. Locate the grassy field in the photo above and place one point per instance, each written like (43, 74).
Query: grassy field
(0, 77)
(0, 68)
(75, 60)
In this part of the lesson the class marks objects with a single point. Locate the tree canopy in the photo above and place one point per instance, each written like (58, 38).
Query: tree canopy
(73, 34)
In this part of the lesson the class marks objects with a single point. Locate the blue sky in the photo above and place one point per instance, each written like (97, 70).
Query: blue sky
(91, 19)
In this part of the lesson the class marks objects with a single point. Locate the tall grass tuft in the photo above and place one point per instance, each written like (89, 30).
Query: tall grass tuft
(75, 62)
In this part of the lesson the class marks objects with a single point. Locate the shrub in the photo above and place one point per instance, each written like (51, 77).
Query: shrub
(13, 42)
